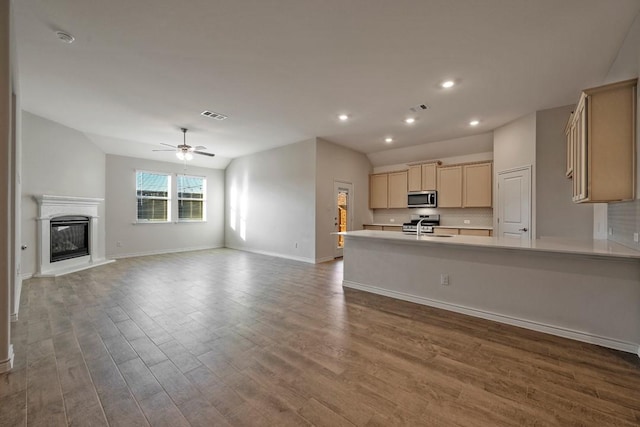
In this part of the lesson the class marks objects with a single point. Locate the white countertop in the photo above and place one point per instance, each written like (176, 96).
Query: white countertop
(604, 248)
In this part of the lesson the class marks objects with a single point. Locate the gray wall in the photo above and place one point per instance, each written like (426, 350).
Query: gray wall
(336, 163)
(270, 202)
(145, 239)
(624, 218)
(556, 214)
(514, 145)
(61, 161)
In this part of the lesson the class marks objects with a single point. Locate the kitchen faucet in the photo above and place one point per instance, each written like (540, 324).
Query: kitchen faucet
(418, 230)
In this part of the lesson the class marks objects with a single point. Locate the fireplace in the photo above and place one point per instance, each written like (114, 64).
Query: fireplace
(69, 237)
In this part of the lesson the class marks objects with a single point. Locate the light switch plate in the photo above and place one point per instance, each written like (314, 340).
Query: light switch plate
(635, 237)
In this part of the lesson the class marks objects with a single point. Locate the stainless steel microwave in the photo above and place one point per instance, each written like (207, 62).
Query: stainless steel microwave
(422, 199)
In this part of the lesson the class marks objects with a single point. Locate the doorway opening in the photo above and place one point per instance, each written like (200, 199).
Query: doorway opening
(343, 192)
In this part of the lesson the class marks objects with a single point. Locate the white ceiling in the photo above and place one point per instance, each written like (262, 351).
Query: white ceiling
(283, 69)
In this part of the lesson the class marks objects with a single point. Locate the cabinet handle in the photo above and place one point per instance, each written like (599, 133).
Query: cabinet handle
(523, 229)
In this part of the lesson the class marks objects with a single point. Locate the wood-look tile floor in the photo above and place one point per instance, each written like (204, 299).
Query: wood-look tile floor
(224, 337)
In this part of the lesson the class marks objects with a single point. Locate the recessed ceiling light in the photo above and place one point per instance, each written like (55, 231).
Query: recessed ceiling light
(409, 120)
(343, 117)
(65, 37)
(447, 84)
(474, 122)
(388, 140)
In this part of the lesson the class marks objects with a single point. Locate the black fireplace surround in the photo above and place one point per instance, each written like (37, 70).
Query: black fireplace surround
(69, 237)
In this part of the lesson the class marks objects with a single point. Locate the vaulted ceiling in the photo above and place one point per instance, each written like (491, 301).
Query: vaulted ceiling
(282, 70)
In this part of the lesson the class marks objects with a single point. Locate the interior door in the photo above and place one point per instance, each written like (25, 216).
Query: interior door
(514, 203)
(342, 195)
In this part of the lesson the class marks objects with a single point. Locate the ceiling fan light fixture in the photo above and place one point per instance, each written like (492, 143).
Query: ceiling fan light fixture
(180, 155)
(188, 155)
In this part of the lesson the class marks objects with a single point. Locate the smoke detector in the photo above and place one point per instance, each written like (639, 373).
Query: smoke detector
(65, 37)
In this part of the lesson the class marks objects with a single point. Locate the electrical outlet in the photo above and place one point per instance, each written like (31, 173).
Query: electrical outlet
(444, 279)
(610, 231)
(119, 244)
(466, 221)
(296, 245)
(635, 237)
(392, 220)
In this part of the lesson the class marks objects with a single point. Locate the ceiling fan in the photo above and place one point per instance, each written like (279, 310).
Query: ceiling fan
(185, 152)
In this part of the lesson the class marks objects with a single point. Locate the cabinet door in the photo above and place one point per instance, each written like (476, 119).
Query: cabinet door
(450, 187)
(429, 177)
(392, 228)
(373, 227)
(446, 230)
(570, 135)
(415, 178)
(378, 190)
(474, 232)
(398, 190)
(477, 186)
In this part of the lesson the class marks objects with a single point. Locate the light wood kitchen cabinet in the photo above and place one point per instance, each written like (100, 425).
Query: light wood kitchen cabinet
(378, 191)
(463, 231)
(450, 186)
(468, 185)
(372, 227)
(477, 185)
(446, 230)
(474, 232)
(422, 177)
(601, 152)
(397, 189)
(382, 227)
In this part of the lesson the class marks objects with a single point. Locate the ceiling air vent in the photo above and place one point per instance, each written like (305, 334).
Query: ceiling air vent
(213, 115)
(420, 108)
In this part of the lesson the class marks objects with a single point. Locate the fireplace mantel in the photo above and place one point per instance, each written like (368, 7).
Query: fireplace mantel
(50, 207)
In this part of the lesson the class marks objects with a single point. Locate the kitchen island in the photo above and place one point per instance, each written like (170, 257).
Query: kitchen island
(588, 291)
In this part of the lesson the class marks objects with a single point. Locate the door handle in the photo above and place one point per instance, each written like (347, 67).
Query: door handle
(523, 229)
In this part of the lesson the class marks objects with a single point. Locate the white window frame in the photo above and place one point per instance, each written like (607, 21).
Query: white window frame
(203, 199)
(168, 198)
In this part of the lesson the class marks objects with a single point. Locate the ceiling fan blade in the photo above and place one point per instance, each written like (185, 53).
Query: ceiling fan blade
(202, 153)
(168, 145)
(164, 150)
(199, 147)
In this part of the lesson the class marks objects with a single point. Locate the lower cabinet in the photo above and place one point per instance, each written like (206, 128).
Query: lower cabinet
(382, 227)
(464, 231)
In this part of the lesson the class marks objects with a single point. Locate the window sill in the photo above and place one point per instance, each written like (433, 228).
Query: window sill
(151, 222)
(190, 221)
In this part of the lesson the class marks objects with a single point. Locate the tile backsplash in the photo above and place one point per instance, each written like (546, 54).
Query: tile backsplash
(482, 217)
(623, 220)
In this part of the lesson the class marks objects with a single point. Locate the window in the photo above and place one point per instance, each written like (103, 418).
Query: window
(153, 193)
(191, 198)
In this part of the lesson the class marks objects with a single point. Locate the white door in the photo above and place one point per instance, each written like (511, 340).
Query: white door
(342, 215)
(514, 203)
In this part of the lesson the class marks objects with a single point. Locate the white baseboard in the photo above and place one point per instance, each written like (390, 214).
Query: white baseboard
(628, 347)
(6, 365)
(275, 254)
(162, 252)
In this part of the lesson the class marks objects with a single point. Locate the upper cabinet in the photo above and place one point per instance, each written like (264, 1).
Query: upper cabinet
(398, 189)
(477, 185)
(450, 186)
(465, 185)
(388, 190)
(422, 177)
(378, 191)
(601, 152)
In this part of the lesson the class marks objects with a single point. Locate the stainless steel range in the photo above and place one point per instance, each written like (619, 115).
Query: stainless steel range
(429, 222)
